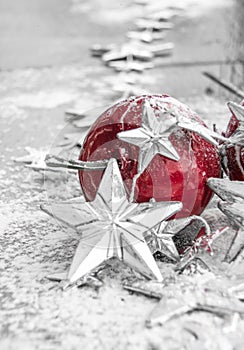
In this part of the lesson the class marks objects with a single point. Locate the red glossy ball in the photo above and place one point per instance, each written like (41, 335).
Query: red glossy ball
(164, 179)
(234, 154)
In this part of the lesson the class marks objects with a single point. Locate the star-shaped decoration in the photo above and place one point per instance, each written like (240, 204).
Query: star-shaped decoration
(227, 190)
(132, 50)
(111, 226)
(161, 241)
(194, 126)
(213, 296)
(161, 15)
(35, 159)
(172, 238)
(238, 136)
(195, 256)
(232, 194)
(130, 65)
(89, 280)
(97, 50)
(151, 138)
(146, 36)
(153, 24)
(161, 50)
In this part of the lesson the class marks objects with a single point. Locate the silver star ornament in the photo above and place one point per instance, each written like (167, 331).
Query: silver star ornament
(111, 226)
(153, 136)
(35, 159)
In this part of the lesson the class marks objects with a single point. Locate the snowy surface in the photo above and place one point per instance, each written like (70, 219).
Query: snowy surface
(34, 312)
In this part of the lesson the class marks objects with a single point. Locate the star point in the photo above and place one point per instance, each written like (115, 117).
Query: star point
(111, 226)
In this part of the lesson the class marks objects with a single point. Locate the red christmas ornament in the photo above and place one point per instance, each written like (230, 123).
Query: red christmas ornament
(163, 179)
(234, 154)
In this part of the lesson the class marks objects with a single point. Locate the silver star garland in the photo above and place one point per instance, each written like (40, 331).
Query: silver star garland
(112, 227)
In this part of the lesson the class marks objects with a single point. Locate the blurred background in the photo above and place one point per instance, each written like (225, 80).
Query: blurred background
(47, 33)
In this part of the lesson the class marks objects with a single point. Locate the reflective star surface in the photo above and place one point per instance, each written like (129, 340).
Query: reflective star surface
(111, 226)
(151, 138)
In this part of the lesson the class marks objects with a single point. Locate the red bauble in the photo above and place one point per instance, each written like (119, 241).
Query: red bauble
(164, 179)
(234, 154)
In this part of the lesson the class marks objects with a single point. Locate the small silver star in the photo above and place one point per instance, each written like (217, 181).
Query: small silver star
(128, 50)
(183, 298)
(98, 50)
(111, 226)
(130, 65)
(161, 241)
(35, 159)
(151, 137)
(232, 194)
(146, 36)
(184, 231)
(89, 280)
(195, 255)
(238, 136)
(161, 50)
(153, 24)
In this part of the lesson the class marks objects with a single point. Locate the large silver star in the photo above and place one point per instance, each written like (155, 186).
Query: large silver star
(153, 136)
(111, 226)
(232, 194)
(238, 136)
